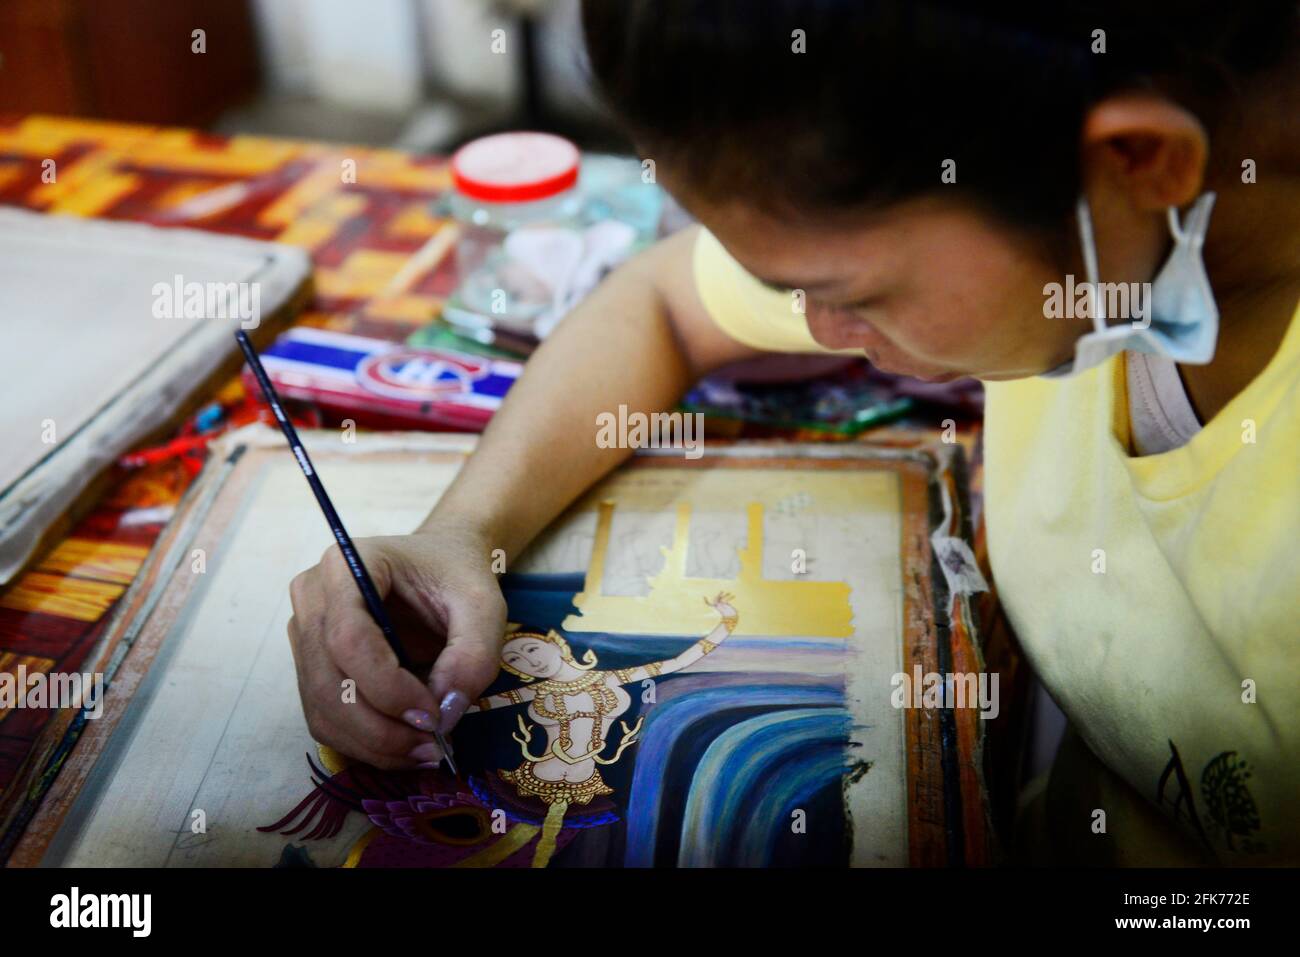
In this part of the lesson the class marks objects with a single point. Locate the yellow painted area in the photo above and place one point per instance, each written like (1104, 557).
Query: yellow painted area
(514, 839)
(550, 833)
(92, 558)
(77, 598)
(675, 604)
(331, 760)
(354, 855)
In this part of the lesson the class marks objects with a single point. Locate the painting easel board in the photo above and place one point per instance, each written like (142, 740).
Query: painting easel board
(95, 360)
(789, 714)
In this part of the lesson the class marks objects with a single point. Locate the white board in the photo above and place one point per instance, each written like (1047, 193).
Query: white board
(93, 356)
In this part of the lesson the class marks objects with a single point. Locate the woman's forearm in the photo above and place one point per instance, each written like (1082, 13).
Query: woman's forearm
(622, 346)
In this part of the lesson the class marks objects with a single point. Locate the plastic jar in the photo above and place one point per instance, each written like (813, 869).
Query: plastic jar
(502, 185)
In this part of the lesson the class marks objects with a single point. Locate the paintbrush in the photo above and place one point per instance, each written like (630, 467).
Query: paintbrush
(374, 604)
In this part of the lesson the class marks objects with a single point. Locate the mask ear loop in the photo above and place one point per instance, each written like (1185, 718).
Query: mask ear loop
(1175, 227)
(1089, 245)
(1191, 231)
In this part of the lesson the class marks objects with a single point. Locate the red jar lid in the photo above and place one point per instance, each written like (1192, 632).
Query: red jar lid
(515, 167)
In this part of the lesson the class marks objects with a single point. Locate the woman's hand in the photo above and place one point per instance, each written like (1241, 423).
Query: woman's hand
(640, 339)
(445, 605)
(722, 605)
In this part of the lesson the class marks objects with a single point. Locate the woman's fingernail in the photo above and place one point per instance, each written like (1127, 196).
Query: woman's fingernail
(429, 765)
(452, 707)
(426, 753)
(419, 720)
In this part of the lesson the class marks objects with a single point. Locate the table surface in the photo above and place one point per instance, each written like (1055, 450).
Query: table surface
(361, 213)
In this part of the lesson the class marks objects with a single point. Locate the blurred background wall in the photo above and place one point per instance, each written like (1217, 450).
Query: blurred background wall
(422, 75)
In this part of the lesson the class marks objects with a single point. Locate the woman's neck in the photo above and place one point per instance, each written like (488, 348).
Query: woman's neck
(1252, 255)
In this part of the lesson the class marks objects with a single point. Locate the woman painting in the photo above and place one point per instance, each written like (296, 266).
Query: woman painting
(1094, 208)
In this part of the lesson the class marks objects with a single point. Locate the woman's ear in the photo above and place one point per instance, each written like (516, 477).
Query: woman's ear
(1146, 147)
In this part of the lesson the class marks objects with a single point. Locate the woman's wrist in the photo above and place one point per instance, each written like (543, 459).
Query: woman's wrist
(470, 530)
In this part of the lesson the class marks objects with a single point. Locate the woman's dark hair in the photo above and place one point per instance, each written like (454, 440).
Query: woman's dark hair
(886, 90)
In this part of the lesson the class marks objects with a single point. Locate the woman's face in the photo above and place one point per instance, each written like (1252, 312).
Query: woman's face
(532, 656)
(928, 288)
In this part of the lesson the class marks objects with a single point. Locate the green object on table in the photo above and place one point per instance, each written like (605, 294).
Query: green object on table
(440, 335)
(863, 419)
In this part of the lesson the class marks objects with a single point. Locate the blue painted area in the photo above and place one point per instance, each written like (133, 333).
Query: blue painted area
(332, 356)
(747, 777)
(676, 734)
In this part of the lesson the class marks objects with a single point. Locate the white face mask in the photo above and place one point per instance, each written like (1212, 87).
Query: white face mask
(1178, 318)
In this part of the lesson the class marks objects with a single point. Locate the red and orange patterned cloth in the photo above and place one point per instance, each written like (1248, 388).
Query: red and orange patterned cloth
(360, 212)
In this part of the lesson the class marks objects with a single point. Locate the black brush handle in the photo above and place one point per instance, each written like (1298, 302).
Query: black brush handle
(374, 604)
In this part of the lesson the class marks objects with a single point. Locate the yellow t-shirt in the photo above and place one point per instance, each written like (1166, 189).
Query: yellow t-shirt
(1156, 597)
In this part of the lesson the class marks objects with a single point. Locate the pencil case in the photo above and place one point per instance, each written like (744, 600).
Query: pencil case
(385, 384)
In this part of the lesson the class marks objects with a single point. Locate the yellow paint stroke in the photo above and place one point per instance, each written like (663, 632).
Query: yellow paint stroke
(76, 598)
(99, 560)
(359, 848)
(514, 839)
(550, 833)
(673, 606)
(331, 760)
